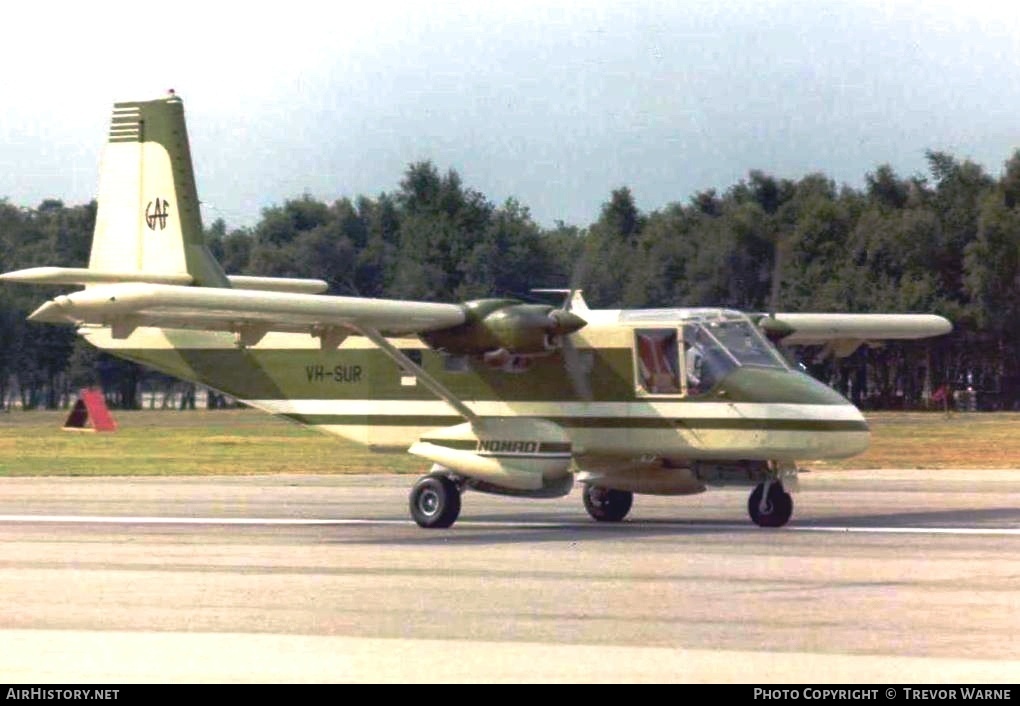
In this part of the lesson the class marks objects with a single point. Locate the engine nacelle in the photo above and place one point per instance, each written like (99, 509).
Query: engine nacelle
(520, 456)
(505, 325)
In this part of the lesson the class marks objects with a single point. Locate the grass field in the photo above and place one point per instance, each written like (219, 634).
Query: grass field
(223, 442)
(933, 440)
(249, 442)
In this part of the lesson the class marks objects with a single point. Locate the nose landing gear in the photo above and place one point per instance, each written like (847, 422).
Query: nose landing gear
(770, 505)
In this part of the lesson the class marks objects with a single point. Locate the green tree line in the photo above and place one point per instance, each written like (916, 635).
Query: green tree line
(947, 242)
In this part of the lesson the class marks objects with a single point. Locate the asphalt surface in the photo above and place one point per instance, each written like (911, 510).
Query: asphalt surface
(882, 576)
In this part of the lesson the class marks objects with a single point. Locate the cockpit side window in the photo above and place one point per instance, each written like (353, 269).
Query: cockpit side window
(657, 358)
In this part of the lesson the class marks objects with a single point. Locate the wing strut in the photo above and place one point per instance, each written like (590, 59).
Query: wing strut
(427, 380)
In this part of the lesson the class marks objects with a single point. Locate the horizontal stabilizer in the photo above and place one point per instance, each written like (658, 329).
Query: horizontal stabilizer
(81, 275)
(278, 284)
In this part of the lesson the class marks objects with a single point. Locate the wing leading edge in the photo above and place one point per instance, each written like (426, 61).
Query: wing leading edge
(842, 334)
(249, 313)
(825, 328)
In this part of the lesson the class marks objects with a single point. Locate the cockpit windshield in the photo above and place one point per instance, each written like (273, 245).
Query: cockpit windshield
(714, 342)
(714, 347)
(745, 342)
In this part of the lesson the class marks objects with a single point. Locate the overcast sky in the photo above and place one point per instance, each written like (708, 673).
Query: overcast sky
(554, 104)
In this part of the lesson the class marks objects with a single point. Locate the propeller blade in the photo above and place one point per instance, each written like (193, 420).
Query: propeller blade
(777, 276)
(569, 322)
(577, 277)
(576, 369)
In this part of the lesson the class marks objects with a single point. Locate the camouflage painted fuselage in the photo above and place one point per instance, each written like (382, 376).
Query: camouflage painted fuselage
(359, 393)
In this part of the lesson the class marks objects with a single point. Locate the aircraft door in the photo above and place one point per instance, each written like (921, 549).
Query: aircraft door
(657, 362)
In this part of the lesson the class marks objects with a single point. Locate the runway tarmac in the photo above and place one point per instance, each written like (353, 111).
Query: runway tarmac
(882, 576)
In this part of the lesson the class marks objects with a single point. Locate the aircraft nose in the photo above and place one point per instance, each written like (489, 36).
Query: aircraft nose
(776, 386)
(806, 419)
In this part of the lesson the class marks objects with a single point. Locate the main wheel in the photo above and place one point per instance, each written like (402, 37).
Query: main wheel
(776, 510)
(435, 502)
(606, 505)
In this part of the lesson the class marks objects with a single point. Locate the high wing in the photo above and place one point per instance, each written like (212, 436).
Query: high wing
(249, 313)
(824, 328)
(843, 333)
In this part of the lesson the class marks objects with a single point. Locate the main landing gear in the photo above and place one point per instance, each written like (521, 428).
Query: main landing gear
(606, 505)
(770, 505)
(435, 501)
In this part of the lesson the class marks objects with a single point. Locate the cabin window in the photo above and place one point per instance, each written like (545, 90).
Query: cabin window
(408, 377)
(414, 354)
(456, 364)
(657, 357)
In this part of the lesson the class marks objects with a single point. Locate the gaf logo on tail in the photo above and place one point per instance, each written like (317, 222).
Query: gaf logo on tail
(159, 214)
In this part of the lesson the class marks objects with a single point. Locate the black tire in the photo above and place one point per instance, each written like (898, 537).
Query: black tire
(605, 504)
(778, 506)
(435, 502)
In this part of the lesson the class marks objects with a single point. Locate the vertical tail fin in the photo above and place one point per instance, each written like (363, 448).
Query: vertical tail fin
(148, 222)
(148, 226)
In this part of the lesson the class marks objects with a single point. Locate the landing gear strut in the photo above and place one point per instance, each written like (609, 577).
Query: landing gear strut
(770, 505)
(606, 505)
(435, 501)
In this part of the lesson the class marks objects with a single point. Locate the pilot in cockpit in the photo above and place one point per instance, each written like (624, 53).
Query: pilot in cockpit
(701, 360)
(694, 360)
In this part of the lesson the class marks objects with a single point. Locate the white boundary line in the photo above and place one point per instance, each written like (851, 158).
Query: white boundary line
(522, 524)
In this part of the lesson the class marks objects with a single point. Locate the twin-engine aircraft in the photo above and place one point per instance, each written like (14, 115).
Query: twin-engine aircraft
(499, 395)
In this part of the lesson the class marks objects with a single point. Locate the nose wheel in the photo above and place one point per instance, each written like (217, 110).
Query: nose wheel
(770, 505)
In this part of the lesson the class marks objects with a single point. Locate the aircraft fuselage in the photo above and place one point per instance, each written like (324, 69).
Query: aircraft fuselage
(752, 412)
